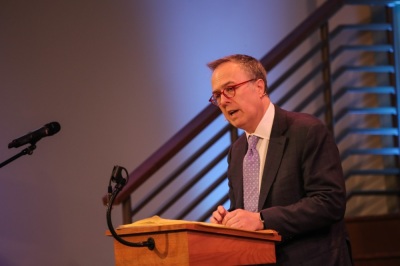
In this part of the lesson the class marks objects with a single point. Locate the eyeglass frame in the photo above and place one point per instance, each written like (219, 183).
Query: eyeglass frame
(234, 87)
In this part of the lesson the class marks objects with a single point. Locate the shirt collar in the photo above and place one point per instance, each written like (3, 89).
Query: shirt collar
(263, 129)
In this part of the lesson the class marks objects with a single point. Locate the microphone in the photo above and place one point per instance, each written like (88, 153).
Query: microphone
(116, 176)
(47, 130)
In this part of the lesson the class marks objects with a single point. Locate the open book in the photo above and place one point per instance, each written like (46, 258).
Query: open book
(158, 221)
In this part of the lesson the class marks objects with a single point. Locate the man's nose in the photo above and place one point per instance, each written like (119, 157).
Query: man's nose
(224, 99)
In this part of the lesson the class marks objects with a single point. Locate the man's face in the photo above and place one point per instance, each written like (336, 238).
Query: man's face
(246, 109)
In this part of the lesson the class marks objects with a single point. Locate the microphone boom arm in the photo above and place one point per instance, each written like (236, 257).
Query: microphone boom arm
(25, 151)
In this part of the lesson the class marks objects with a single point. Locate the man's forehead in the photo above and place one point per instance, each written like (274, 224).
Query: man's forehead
(227, 73)
(229, 67)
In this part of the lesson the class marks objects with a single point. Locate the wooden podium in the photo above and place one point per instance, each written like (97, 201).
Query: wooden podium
(181, 243)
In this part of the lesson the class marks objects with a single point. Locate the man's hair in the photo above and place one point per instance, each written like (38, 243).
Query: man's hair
(249, 64)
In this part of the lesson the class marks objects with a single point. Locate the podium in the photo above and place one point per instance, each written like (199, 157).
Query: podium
(181, 243)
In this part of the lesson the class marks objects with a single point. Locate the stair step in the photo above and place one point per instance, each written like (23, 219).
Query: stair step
(374, 69)
(381, 151)
(373, 192)
(375, 131)
(373, 110)
(388, 171)
(373, 48)
(387, 48)
(361, 27)
(368, 131)
(378, 89)
(368, 27)
(372, 2)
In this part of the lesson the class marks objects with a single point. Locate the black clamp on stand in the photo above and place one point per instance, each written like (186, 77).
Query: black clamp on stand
(25, 151)
(116, 177)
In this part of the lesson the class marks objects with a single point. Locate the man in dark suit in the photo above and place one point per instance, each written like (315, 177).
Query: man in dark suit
(301, 192)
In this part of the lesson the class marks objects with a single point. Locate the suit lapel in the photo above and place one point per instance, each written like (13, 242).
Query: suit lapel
(272, 163)
(236, 164)
(275, 152)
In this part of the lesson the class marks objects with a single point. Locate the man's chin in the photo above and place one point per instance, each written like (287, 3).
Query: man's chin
(235, 123)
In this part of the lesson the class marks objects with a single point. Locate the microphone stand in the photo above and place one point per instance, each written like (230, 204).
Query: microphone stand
(25, 151)
(111, 196)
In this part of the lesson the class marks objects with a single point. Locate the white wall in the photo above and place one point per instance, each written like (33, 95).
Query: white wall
(121, 77)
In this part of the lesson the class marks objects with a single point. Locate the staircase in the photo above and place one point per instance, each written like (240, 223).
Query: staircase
(366, 119)
(347, 73)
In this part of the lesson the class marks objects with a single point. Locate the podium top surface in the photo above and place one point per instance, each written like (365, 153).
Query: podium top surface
(156, 224)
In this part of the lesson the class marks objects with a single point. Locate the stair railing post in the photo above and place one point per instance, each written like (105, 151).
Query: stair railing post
(127, 211)
(326, 76)
(393, 36)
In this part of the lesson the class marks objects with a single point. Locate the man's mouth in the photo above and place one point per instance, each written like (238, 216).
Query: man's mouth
(232, 112)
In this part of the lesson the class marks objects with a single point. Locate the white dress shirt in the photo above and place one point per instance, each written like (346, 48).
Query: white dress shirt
(263, 131)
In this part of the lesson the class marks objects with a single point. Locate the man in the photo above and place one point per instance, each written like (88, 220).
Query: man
(300, 188)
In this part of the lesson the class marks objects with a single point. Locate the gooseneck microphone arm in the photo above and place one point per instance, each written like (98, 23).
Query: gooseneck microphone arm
(117, 178)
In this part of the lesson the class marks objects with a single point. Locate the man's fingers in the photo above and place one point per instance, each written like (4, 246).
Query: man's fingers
(218, 215)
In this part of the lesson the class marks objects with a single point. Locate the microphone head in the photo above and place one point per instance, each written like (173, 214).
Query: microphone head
(52, 128)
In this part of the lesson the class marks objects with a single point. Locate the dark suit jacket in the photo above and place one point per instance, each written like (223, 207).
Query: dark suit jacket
(302, 190)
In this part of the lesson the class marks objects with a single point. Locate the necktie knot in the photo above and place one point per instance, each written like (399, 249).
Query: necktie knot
(252, 141)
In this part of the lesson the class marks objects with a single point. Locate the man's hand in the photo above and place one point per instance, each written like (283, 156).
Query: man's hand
(242, 219)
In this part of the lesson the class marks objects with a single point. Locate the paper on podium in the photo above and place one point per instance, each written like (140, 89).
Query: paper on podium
(155, 220)
(158, 221)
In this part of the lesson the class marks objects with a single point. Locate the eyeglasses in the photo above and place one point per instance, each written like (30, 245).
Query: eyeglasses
(228, 92)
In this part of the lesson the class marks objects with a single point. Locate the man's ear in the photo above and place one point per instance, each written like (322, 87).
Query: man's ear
(260, 87)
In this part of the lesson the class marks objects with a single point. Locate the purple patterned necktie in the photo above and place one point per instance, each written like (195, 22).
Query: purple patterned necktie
(251, 168)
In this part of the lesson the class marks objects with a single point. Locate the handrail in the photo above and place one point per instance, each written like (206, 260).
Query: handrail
(165, 152)
(208, 114)
(172, 177)
(300, 33)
